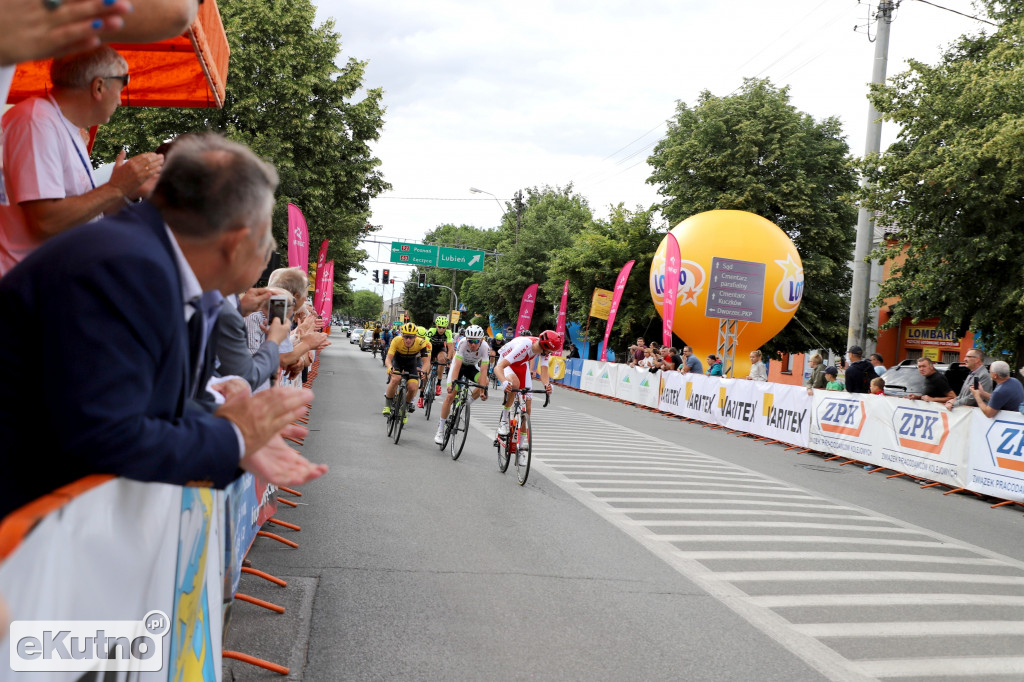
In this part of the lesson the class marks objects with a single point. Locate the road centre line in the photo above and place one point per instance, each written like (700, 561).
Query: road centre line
(913, 629)
(758, 555)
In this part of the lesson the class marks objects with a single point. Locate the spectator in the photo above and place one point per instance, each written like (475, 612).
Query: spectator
(46, 171)
(132, 281)
(648, 359)
(714, 366)
(574, 352)
(936, 388)
(638, 350)
(879, 364)
(831, 381)
(974, 360)
(878, 386)
(817, 377)
(1007, 395)
(758, 372)
(690, 362)
(232, 347)
(860, 372)
(670, 359)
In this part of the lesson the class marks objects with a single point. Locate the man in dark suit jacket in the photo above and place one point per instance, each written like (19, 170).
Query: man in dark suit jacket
(109, 392)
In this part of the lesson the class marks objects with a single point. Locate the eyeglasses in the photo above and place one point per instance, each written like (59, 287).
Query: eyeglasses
(473, 341)
(124, 79)
(409, 337)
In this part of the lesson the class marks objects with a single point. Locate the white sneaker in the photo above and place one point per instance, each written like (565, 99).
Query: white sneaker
(522, 459)
(503, 427)
(439, 436)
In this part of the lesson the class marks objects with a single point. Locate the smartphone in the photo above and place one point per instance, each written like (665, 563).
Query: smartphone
(977, 384)
(278, 307)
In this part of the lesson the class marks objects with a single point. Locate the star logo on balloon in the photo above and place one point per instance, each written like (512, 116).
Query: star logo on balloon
(791, 289)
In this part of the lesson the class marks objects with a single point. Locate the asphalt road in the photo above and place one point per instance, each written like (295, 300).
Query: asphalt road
(641, 548)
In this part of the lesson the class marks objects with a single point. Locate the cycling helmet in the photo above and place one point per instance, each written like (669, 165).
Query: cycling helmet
(409, 328)
(441, 321)
(421, 331)
(550, 340)
(499, 336)
(474, 332)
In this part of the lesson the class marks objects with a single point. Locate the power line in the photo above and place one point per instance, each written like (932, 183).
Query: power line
(433, 198)
(984, 21)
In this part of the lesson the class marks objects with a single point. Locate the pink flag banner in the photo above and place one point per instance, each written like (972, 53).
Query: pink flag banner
(560, 327)
(526, 308)
(318, 291)
(668, 308)
(326, 285)
(298, 239)
(620, 285)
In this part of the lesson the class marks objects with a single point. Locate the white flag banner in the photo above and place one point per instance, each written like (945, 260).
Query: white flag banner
(996, 455)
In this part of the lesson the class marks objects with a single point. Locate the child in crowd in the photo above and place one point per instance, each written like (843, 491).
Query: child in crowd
(878, 386)
(831, 383)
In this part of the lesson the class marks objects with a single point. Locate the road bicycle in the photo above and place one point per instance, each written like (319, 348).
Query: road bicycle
(431, 388)
(519, 440)
(396, 419)
(457, 425)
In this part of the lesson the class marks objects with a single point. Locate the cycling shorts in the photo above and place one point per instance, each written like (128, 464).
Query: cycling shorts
(435, 349)
(468, 371)
(406, 363)
(522, 371)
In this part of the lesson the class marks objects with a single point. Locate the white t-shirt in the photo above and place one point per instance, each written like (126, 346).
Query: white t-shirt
(520, 349)
(470, 356)
(44, 157)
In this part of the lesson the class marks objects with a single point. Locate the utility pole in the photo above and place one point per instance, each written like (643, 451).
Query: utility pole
(518, 199)
(860, 297)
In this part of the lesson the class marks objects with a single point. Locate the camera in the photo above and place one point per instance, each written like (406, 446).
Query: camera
(977, 383)
(278, 307)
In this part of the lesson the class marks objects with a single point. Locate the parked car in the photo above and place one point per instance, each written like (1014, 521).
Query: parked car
(355, 335)
(904, 379)
(366, 341)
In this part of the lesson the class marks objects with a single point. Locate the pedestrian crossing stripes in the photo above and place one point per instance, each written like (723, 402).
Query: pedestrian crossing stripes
(857, 594)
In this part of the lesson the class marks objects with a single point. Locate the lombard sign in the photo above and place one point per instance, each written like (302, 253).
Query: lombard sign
(844, 416)
(920, 429)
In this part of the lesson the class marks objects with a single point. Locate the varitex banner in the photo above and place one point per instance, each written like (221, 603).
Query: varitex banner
(777, 411)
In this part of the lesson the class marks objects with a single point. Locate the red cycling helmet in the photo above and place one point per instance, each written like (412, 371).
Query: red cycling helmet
(549, 340)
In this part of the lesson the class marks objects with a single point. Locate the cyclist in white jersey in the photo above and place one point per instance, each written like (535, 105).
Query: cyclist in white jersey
(514, 368)
(472, 357)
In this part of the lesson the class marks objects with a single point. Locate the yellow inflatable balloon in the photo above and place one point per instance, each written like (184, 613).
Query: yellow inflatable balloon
(735, 265)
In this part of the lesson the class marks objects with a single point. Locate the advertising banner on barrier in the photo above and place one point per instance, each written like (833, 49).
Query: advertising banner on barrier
(777, 411)
(599, 377)
(918, 438)
(151, 569)
(637, 385)
(996, 455)
(573, 372)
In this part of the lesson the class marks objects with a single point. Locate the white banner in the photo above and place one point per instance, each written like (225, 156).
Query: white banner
(777, 411)
(117, 553)
(917, 438)
(996, 455)
(600, 377)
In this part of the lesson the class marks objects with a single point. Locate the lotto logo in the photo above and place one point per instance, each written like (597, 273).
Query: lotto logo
(1006, 444)
(839, 415)
(922, 430)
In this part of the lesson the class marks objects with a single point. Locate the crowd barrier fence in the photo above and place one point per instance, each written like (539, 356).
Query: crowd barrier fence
(105, 549)
(961, 450)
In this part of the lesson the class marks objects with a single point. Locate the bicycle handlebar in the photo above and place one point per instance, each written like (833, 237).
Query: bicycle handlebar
(524, 391)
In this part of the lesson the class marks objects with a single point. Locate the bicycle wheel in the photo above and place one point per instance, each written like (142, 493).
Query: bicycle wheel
(428, 397)
(449, 424)
(394, 412)
(503, 456)
(399, 416)
(459, 431)
(524, 451)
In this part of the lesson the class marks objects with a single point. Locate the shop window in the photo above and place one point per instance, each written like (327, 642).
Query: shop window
(913, 353)
(950, 356)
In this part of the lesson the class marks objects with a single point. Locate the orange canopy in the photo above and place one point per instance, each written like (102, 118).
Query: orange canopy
(187, 71)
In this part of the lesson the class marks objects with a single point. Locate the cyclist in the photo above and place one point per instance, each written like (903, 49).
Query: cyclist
(472, 357)
(514, 370)
(441, 346)
(402, 355)
(376, 336)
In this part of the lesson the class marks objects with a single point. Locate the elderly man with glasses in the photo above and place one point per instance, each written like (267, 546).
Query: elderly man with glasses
(974, 360)
(48, 185)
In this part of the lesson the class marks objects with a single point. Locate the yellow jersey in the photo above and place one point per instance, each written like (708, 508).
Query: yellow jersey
(419, 347)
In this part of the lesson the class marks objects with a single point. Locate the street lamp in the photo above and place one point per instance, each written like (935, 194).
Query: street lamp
(504, 213)
(474, 190)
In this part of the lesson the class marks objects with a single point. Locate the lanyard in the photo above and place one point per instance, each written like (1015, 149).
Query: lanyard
(74, 143)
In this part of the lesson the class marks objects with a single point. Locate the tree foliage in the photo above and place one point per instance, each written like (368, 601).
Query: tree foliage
(950, 187)
(364, 305)
(755, 152)
(287, 100)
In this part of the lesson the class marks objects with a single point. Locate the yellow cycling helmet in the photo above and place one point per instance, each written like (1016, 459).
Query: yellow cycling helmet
(421, 331)
(409, 328)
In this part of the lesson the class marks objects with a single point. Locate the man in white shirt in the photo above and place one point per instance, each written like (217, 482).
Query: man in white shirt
(48, 181)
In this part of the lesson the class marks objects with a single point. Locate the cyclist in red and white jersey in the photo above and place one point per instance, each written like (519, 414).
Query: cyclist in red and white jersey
(514, 368)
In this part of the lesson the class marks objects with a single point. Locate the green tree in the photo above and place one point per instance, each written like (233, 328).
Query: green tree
(949, 189)
(365, 305)
(288, 100)
(755, 152)
(551, 219)
(594, 260)
(424, 303)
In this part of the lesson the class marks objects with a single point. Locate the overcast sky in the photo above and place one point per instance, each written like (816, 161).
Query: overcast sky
(504, 95)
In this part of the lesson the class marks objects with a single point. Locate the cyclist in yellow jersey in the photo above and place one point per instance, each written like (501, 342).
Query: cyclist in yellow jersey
(403, 354)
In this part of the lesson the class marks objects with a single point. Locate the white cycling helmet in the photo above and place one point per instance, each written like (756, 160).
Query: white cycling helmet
(474, 332)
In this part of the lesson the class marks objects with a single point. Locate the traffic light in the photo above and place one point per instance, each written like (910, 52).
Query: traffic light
(392, 280)
(423, 279)
(376, 276)
(385, 276)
